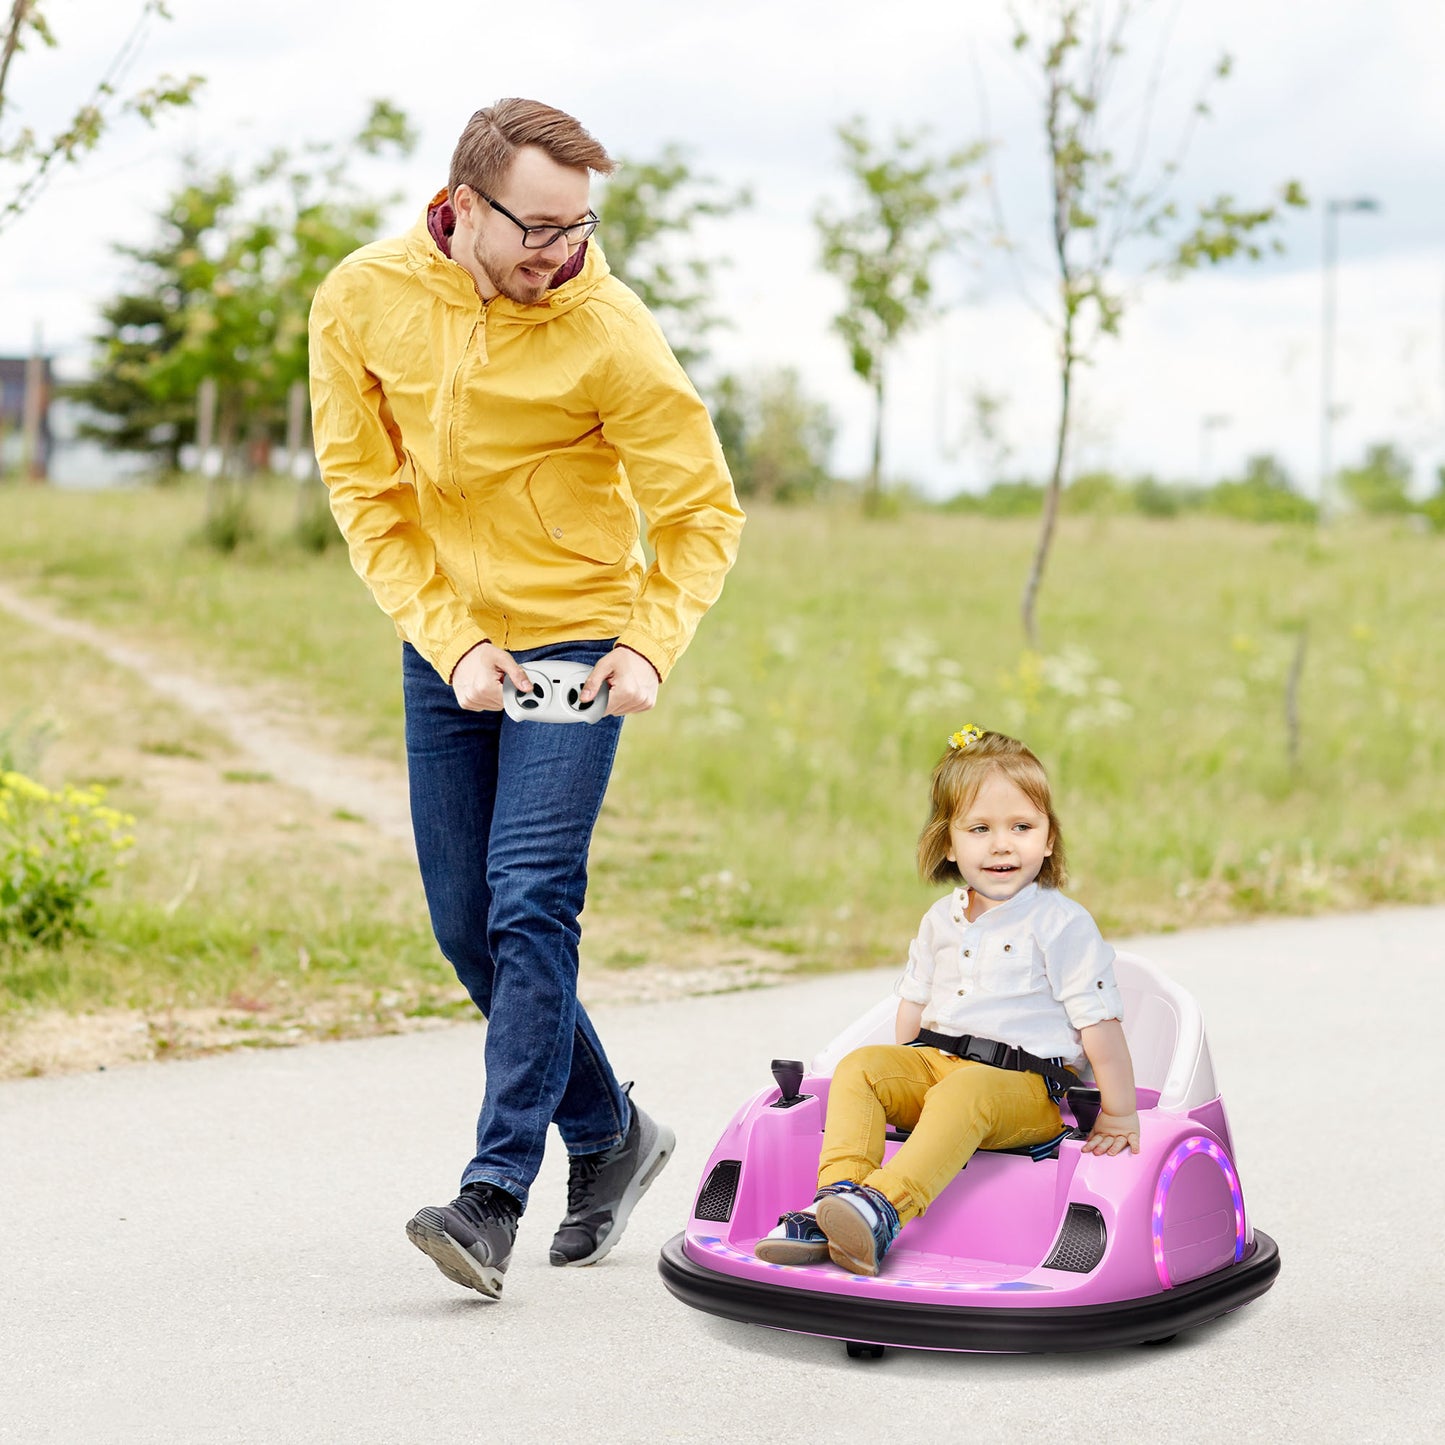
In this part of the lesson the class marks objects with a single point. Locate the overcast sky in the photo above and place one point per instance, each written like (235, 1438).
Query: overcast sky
(1343, 95)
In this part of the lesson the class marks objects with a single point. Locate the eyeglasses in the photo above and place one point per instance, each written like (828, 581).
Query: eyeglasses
(538, 238)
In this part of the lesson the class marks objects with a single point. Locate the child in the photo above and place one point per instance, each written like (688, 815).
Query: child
(1005, 967)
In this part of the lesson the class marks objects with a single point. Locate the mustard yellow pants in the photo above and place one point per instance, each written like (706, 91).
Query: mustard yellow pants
(953, 1106)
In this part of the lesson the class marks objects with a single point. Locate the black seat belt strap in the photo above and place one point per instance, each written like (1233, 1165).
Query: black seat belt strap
(1002, 1056)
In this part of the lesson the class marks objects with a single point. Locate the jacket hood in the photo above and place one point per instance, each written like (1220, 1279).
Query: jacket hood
(428, 246)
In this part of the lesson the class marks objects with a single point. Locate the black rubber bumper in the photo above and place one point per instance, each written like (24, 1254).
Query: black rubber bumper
(1012, 1330)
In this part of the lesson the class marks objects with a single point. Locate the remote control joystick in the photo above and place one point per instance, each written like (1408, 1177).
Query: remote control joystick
(789, 1075)
(536, 700)
(556, 695)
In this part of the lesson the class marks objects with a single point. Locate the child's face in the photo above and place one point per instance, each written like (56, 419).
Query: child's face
(999, 842)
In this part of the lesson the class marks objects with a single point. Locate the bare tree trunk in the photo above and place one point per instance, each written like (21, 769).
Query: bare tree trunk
(206, 439)
(227, 427)
(34, 408)
(295, 427)
(1051, 502)
(300, 460)
(873, 488)
(1064, 189)
(1291, 698)
(18, 13)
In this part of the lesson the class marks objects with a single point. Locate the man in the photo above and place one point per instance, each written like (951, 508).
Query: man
(491, 407)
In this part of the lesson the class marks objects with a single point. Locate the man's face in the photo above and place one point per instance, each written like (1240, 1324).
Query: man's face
(539, 192)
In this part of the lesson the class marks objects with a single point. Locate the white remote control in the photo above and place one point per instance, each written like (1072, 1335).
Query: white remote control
(556, 695)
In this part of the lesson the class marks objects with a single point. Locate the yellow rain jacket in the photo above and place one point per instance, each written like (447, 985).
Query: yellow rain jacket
(486, 461)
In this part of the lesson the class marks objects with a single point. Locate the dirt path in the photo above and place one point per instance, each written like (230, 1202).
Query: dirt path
(367, 788)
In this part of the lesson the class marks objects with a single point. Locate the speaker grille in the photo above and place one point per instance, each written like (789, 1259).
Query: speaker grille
(715, 1201)
(1080, 1244)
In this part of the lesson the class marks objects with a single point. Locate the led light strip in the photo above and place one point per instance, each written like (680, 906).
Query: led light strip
(1190, 1147)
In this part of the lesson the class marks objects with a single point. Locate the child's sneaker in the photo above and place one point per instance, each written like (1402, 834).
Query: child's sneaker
(796, 1240)
(860, 1224)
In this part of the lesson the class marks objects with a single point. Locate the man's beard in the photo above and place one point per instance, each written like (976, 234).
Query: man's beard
(504, 281)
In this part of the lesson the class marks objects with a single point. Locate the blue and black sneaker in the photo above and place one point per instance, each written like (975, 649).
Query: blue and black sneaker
(796, 1238)
(860, 1225)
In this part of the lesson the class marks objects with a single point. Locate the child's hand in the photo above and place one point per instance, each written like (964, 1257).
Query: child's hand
(1113, 1133)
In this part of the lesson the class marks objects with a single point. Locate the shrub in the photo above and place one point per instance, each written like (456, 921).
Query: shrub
(56, 850)
(1380, 485)
(1264, 494)
(1095, 493)
(1013, 499)
(228, 521)
(315, 528)
(777, 439)
(22, 742)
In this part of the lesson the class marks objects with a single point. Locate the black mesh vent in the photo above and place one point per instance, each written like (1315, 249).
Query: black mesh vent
(715, 1202)
(1081, 1241)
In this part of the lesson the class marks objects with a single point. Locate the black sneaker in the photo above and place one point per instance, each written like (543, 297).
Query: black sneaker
(602, 1189)
(470, 1240)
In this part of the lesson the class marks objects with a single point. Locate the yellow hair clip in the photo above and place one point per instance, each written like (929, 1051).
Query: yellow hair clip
(965, 736)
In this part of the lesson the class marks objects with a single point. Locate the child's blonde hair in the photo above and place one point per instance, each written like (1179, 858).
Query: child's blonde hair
(956, 780)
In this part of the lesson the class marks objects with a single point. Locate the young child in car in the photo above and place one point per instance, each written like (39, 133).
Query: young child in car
(1007, 983)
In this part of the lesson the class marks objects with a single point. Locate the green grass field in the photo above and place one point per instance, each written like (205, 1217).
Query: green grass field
(772, 800)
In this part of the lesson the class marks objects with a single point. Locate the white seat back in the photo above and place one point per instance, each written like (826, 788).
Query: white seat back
(1165, 1031)
(1162, 1024)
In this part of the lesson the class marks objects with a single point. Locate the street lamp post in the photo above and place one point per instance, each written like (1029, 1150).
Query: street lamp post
(1333, 208)
(1208, 424)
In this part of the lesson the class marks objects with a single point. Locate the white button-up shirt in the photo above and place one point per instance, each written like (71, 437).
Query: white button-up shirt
(1031, 972)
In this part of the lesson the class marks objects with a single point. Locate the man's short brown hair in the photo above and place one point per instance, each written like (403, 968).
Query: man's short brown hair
(493, 136)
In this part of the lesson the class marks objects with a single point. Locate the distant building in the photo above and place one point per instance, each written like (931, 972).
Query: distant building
(17, 375)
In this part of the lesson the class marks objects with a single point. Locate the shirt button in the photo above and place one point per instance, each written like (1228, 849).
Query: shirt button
(1101, 983)
(961, 992)
(1008, 948)
(965, 953)
(556, 531)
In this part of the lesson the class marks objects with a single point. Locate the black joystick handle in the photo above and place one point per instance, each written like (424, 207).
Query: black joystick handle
(789, 1076)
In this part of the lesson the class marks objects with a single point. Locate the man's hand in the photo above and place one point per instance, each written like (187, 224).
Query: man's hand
(631, 680)
(477, 678)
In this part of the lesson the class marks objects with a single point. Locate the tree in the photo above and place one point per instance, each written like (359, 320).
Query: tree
(37, 158)
(883, 252)
(131, 391)
(777, 439)
(224, 292)
(648, 209)
(1101, 206)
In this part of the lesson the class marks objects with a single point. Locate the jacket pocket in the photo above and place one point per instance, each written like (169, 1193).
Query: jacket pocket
(1007, 966)
(590, 518)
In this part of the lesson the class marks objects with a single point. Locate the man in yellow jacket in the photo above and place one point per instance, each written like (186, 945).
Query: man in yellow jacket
(491, 408)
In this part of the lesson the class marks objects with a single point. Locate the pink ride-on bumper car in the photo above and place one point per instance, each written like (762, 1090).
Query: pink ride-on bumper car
(1026, 1250)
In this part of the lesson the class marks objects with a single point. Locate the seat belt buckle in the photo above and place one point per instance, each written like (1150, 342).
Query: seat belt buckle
(987, 1051)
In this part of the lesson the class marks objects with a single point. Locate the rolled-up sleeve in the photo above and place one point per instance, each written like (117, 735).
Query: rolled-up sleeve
(1080, 968)
(915, 983)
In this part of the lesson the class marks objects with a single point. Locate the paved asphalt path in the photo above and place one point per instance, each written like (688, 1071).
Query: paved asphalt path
(213, 1250)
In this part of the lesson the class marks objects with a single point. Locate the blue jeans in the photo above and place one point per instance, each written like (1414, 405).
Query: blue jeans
(503, 813)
